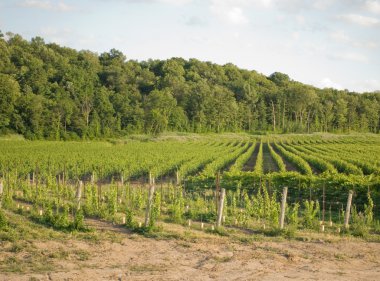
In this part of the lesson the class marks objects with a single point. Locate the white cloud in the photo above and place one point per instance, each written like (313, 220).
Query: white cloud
(171, 2)
(236, 16)
(367, 85)
(349, 56)
(59, 36)
(47, 5)
(373, 6)
(229, 11)
(341, 37)
(360, 20)
(328, 83)
(300, 20)
(175, 2)
(195, 21)
(371, 85)
(323, 4)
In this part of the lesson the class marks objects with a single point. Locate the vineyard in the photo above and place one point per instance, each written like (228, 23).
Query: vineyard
(261, 183)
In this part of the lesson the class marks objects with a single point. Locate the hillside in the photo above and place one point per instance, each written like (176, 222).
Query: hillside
(54, 92)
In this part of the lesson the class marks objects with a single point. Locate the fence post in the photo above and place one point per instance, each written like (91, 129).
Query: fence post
(220, 208)
(150, 199)
(217, 191)
(283, 206)
(78, 194)
(178, 178)
(348, 210)
(1, 192)
(323, 203)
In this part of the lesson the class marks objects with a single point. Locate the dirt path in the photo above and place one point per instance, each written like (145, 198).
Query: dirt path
(269, 164)
(249, 166)
(289, 166)
(213, 258)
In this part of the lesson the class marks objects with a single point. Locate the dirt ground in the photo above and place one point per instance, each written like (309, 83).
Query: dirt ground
(206, 257)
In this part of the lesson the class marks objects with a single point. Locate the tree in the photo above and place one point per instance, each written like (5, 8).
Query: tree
(340, 114)
(9, 92)
(159, 105)
(55, 92)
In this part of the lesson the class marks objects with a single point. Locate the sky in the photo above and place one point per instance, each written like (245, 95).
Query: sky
(325, 43)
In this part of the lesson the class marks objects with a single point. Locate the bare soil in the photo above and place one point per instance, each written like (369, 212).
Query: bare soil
(202, 256)
(269, 164)
(250, 165)
(289, 165)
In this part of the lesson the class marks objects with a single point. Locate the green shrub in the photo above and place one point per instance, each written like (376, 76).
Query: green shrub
(3, 220)
(310, 212)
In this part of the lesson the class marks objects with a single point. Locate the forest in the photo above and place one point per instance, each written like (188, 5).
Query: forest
(53, 92)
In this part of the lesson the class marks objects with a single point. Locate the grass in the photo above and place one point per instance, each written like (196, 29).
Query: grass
(20, 254)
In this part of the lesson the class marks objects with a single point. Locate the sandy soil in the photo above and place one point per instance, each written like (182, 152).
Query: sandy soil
(210, 257)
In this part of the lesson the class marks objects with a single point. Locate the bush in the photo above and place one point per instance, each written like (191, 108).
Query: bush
(310, 213)
(3, 220)
(359, 225)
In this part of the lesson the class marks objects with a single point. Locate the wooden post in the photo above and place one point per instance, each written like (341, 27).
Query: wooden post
(330, 219)
(220, 208)
(348, 210)
(178, 178)
(64, 175)
(283, 206)
(35, 182)
(78, 194)
(118, 199)
(99, 194)
(323, 204)
(92, 178)
(161, 195)
(217, 191)
(1, 192)
(150, 199)
(322, 227)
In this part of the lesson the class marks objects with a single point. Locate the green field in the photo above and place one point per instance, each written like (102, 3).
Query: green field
(41, 179)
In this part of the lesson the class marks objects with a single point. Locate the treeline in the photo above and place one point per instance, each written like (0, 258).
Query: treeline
(53, 92)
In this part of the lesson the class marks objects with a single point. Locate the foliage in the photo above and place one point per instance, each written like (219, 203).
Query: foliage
(3, 220)
(277, 158)
(293, 215)
(310, 213)
(295, 159)
(359, 226)
(57, 93)
(259, 161)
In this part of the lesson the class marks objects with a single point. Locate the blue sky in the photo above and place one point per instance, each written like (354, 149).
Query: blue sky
(326, 43)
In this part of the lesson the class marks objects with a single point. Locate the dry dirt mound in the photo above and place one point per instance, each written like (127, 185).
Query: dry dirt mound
(211, 258)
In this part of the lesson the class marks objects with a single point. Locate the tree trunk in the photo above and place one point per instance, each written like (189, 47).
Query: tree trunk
(273, 116)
